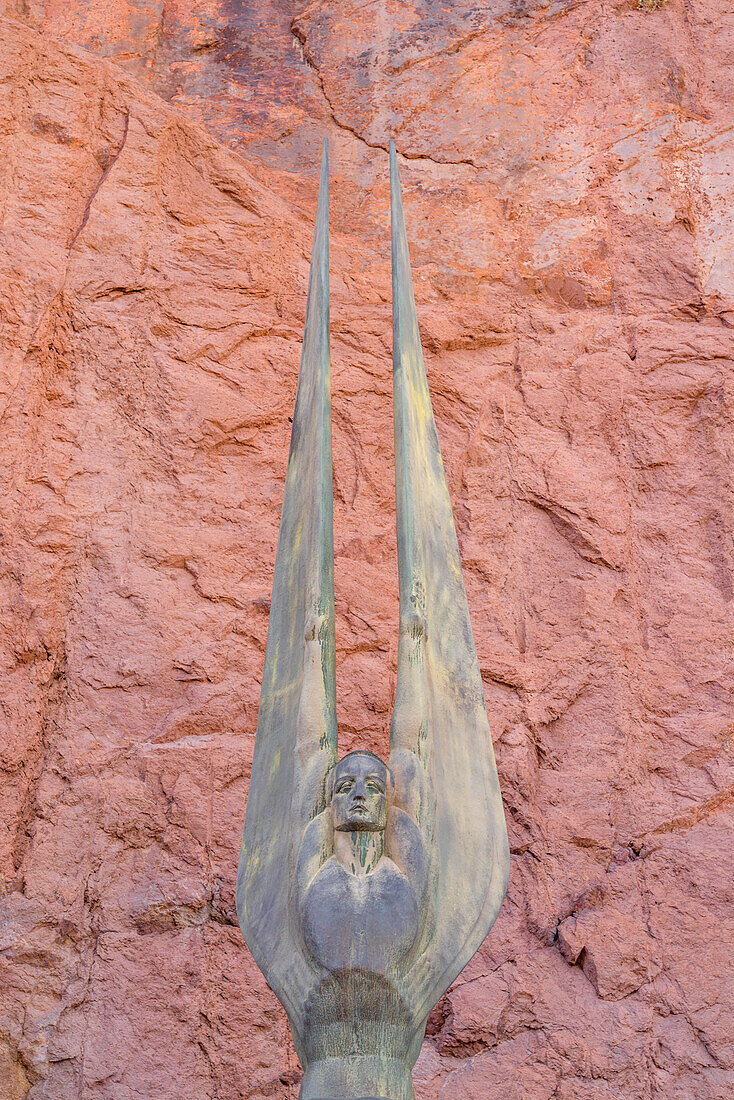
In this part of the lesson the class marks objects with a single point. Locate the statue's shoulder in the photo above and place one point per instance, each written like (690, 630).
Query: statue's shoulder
(317, 831)
(406, 845)
(315, 845)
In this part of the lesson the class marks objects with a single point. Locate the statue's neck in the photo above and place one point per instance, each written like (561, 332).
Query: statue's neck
(359, 852)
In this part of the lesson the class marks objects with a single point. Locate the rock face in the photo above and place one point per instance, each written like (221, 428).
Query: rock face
(569, 190)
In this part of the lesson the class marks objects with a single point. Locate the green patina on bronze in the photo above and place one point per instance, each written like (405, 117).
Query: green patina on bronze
(363, 890)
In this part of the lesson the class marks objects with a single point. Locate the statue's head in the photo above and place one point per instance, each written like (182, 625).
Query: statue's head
(358, 789)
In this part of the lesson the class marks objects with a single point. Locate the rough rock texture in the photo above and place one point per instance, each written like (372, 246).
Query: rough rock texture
(569, 188)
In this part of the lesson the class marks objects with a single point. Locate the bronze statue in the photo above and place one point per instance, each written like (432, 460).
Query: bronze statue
(364, 888)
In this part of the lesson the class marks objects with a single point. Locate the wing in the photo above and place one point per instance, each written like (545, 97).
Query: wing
(295, 745)
(440, 715)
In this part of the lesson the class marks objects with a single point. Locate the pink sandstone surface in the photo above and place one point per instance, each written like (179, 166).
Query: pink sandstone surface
(568, 175)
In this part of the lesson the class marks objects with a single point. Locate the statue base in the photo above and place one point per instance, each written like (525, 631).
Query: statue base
(357, 1077)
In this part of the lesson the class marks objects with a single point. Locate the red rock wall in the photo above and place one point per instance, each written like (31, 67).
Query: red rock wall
(568, 187)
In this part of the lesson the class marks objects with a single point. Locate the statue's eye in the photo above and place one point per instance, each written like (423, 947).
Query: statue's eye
(374, 787)
(345, 785)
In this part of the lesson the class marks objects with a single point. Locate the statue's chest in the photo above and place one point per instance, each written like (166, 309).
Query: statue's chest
(367, 922)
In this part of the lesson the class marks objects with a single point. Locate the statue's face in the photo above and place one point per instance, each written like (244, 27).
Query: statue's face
(359, 794)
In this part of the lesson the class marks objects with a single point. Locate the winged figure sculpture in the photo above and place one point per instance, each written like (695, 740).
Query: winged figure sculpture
(365, 887)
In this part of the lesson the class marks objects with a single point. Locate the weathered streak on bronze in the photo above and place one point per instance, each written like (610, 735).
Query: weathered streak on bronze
(363, 888)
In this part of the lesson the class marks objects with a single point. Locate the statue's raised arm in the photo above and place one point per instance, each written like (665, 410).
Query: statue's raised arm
(440, 744)
(295, 745)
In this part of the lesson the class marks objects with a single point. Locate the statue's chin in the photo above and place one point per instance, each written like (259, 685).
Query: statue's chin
(359, 825)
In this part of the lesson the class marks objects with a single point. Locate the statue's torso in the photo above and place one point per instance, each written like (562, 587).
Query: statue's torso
(361, 932)
(365, 922)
